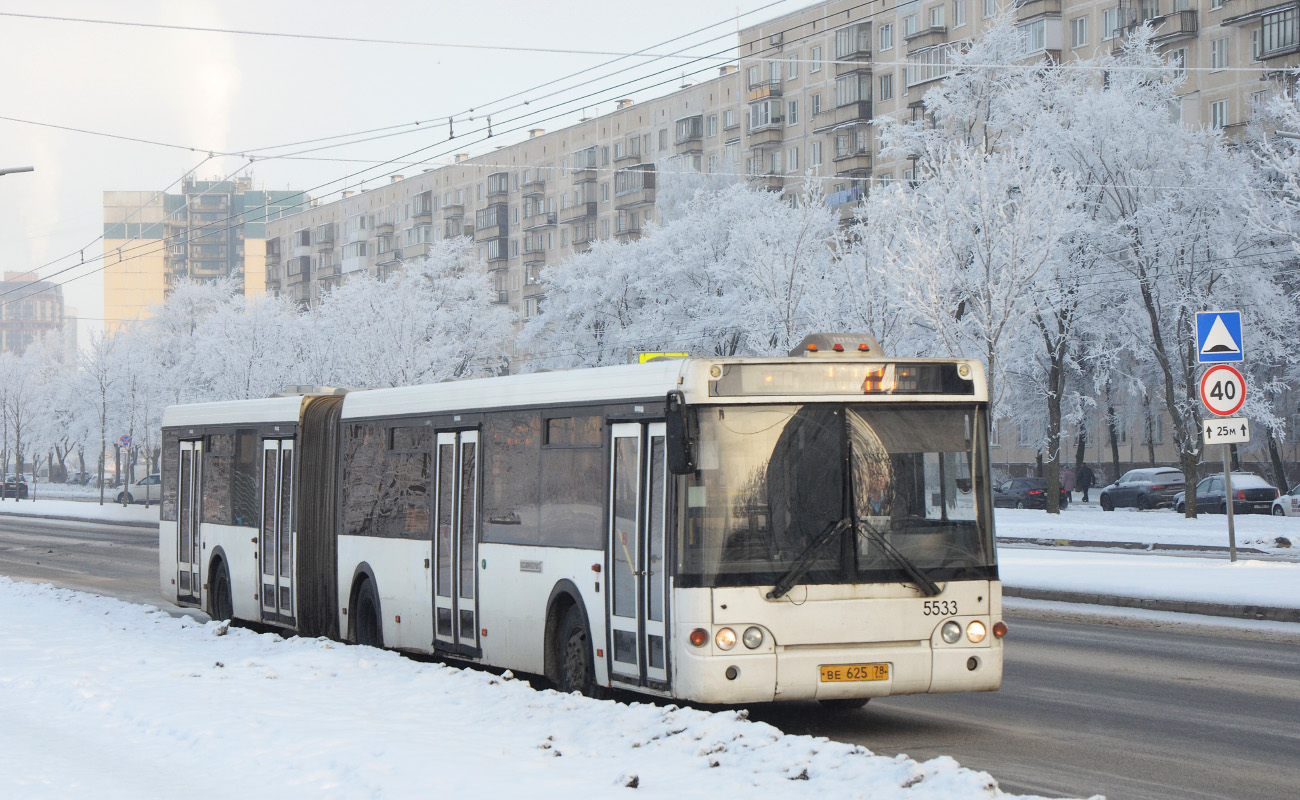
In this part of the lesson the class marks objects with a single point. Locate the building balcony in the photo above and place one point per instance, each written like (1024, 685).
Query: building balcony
(539, 221)
(846, 197)
(327, 271)
(835, 117)
(853, 162)
(635, 198)
(384, 229)
(498, 251)
(273, 285)
(1175, 27)
(1029, 9)
(628, 234)
(535, 258)
(772, 183)
(626, 155)
(453, 210)
(581, 245)
(500, 297)
(583, 174)
(534, 187)
(762, 91)
(929, 37)
(533, 289)
(491, 232)
(771, 134)
(579, 212)
(452, 228)
(857, 61)
(422, 210)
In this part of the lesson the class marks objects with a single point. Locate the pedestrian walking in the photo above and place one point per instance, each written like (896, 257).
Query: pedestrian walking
(1083, 480)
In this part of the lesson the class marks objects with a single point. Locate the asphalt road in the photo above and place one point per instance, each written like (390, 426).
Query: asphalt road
(1125, 709)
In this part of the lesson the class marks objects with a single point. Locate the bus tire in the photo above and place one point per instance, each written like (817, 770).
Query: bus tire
(221, 604)
(844, 704)
(574, 665)
(367, 625)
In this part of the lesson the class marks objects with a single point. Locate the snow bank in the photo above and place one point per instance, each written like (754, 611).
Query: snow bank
(1202, 580)
(120, 700)
(1081, 523)
(80, 509)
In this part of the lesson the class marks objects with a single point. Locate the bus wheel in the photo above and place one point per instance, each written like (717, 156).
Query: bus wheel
(221, 606)
(369, 629)
(573, 654)
(844, 704)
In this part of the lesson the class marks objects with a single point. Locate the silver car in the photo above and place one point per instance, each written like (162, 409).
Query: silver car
(1153, 487)
(146, 490)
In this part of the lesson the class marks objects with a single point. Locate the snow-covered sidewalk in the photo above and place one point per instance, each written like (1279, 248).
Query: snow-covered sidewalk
(1081, 523)
(108, 699)
(89, 510)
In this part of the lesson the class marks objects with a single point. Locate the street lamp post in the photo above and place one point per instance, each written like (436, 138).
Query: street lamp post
(7, 170)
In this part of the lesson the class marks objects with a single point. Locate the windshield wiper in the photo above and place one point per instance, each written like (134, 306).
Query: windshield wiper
(928, 587)
(804, 561)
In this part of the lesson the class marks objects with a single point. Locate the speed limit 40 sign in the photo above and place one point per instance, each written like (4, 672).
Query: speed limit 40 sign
(1223, 390)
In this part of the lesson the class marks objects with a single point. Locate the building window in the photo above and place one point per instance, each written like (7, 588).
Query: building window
(729, 119)
(792, 159)
(1219, 53)
(853, 40)
(886, 37)
(1109, 23)
(1254, 45)
(731, 154)
(909, 25)
(713, 124)
(990, 8)
(815, 154)
(755, 76)
(815, 102)
(927, 65)
(1078, 32)
(816, 58)
(1215, 5)
(764, 114)
(1033, 36)
(886, 87)
(1219, 114)
(774, 71)
(936, 17)
(713, 164)
(792, 67)
(792, 113)
(1178, 60)
(852, 88)
(1279, 30)
(959, 13)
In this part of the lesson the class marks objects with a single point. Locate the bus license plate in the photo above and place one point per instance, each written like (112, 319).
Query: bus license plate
(838, 673)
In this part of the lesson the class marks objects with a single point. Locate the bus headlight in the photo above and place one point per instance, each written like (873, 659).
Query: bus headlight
(753, 637)
(950, 632)
(976, 631)
(725, 639)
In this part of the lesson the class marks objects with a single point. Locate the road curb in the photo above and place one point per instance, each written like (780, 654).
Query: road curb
(1145, 547)
(1270, 614)
(124, 523)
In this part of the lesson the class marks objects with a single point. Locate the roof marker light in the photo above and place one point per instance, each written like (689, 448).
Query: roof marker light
(863, 347)
(839, 348)
(812, 348)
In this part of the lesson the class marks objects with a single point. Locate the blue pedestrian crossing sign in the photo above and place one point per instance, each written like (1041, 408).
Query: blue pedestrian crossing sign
(1218, 337)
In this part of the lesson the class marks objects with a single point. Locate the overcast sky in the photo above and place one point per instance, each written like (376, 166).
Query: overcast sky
(234, 93)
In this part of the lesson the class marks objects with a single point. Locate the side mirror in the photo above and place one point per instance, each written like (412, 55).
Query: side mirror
(680, 429)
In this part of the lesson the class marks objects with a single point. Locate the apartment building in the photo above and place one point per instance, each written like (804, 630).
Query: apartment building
(803, 96)
(32, 312)
(207, 231)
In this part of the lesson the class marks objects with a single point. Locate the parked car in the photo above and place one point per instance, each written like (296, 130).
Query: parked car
(1025, 493)
(15, 486)
(1251, 494)
(1288, 505)
(1152, 487)
(147, 489)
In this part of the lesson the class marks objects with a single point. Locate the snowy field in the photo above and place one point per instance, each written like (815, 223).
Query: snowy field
(113, 700)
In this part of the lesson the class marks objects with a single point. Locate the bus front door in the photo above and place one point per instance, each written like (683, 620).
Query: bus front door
(277, 550)
(189, 515)
(455, 584)
(638, 580)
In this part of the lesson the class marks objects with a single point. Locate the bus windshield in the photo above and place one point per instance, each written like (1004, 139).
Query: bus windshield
(773, 480)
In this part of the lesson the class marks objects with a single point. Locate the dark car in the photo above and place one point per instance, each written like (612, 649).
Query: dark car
(1025, 493)
(1153, 487)
(15, 486)
(1252, 495)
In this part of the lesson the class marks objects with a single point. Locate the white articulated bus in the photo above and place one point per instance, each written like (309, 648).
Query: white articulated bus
(720, 530)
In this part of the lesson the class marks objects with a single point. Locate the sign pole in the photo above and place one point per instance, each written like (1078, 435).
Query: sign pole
(1227, 488)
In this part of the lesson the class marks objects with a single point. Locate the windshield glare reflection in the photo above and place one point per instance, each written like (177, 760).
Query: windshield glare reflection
(773, 479)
